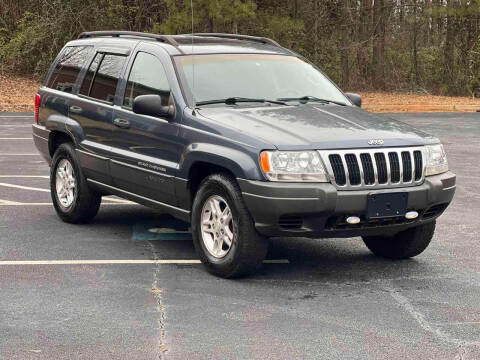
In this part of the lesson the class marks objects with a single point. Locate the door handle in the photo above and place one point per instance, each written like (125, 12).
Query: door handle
(76, 109)
(122, 123)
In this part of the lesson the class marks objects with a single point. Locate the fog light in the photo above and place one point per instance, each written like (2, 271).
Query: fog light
(411, 215)
(352, 220)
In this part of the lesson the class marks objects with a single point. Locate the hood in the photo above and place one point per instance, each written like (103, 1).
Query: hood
(315, 126)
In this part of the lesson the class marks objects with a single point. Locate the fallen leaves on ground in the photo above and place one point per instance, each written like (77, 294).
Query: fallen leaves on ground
(17, 94)
(412, 102)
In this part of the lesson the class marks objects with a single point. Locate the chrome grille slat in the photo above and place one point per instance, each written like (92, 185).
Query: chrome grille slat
(412, 159)
(389, 172)
(360, 162)
(375, 170)
(400, 163)
(345, 167)
(360, 167)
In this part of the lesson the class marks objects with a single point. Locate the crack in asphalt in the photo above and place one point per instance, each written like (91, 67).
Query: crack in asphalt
(157, 293)
(429, 327)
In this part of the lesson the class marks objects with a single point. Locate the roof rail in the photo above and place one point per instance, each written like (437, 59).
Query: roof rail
(263, 40)
(168, 39)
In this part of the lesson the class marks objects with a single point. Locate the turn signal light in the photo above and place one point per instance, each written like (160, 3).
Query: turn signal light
(265, 162)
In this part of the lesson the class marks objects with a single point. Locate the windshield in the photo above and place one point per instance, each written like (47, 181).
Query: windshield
(255, 76)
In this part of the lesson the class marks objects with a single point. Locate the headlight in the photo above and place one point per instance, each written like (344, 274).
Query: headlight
(436, 160)
(293, 166)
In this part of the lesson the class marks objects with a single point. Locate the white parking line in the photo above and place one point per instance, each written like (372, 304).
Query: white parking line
(7, 154)
(101, 262)
(14, 203)
(8, 202)
(25, 176)
(16, 125)
(47, 190)
(24, 187)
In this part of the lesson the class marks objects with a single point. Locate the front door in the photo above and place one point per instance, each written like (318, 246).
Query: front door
(145, 149)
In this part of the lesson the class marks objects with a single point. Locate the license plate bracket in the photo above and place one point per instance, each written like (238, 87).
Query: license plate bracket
(387, 205)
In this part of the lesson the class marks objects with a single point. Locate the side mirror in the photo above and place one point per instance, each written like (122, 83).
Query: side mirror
(152, 105)
(355, 99)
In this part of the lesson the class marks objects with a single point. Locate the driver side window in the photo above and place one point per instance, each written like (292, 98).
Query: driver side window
(147, 77)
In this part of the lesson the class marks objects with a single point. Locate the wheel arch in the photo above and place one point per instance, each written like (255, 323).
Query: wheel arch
(202, 160)
(63, 129)
(56, 138)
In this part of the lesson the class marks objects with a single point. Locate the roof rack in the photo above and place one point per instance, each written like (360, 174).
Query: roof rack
(168, 39)
(263, 40)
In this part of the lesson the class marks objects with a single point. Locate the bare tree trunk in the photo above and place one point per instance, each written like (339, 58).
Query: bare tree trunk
(315, 30)
(449, 50)
(378, 63)
(364, 38)
(345, 42)
(415, 43)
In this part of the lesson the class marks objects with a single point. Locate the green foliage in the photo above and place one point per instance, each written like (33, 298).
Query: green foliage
(209, 16)
(385, 44)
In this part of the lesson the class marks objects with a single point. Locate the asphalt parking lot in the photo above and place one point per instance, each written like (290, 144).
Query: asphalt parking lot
(118, 289)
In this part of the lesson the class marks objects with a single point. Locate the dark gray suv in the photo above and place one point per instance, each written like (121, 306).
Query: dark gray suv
(239, 136)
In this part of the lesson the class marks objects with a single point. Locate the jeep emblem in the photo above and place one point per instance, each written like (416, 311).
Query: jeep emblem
(376, 142)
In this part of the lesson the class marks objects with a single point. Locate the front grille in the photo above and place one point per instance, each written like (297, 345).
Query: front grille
(368, 170)
(418, 161)
(381, 168)
(375, 168)
(407, 166)
(353, 169)
(394, 167)
(338, 169)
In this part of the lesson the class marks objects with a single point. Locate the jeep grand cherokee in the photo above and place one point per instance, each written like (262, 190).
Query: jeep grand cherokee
(239, 136)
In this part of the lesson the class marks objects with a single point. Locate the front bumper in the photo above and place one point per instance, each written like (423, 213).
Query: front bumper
(319, 209)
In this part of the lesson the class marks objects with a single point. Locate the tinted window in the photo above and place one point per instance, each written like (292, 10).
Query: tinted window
(87, 81)
(146, 77)
(71, 62)
(105, 81)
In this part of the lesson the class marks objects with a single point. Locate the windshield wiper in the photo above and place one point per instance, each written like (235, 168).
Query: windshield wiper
(312, 98)
(235, 100)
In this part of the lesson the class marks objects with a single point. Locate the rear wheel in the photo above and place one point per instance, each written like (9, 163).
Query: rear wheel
(73, 199)
(404, 245)
(224, 234)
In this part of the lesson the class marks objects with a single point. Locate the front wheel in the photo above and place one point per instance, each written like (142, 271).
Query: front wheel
(404, 245)
(223, 231)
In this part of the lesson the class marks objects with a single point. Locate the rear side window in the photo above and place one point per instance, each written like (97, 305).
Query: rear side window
(105, 80)
(87, 80)
(66, 71)
(146, 77)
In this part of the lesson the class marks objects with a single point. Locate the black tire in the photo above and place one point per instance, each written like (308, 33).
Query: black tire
(404, 245)
(248, 248)
(85, 200)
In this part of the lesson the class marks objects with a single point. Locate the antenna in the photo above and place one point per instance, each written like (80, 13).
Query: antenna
(193, 66)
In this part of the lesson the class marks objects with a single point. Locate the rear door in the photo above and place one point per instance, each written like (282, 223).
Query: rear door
(146, 149)
(93, 110)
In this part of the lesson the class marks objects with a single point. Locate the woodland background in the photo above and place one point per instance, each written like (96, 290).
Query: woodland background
(429, 46)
